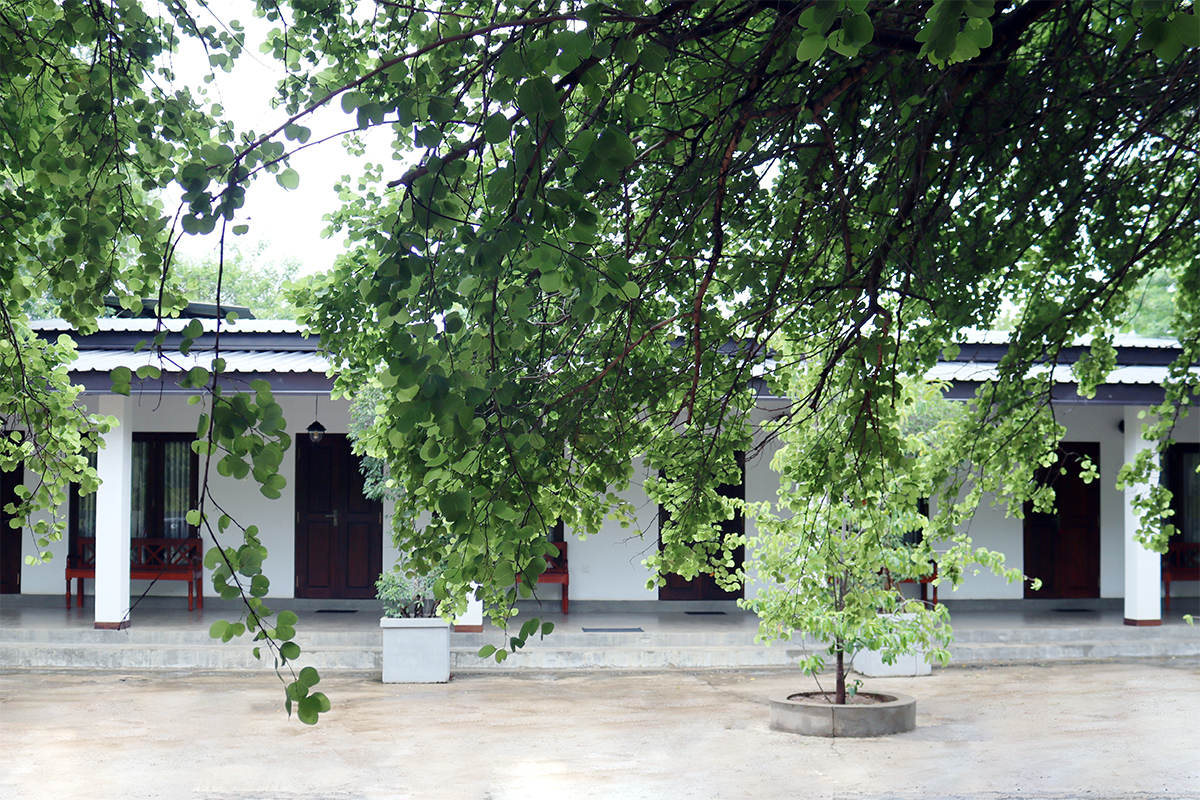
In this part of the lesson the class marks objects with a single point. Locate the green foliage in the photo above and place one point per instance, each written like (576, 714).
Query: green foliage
(833, 548)
(406, 594)
(92, 131)
(377, 484)
(606, 223)
(246, 277)
(1152, 306)
(45, 429)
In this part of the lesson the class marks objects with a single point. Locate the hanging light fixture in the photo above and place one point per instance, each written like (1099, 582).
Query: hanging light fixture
(316, 431)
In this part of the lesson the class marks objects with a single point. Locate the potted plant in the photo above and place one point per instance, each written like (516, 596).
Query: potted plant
(416, 642)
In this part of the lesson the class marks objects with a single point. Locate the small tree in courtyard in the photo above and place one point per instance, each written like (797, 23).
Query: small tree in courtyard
(848, 527)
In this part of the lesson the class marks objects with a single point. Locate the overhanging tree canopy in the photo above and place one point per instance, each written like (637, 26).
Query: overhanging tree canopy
(616, 211)
(617, 208)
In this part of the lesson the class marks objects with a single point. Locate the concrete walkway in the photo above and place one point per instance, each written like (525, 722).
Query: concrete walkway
(1106, 729)
(38, 632)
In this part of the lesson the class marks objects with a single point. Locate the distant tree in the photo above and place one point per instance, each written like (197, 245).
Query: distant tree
(249, 279)
(1152, 305)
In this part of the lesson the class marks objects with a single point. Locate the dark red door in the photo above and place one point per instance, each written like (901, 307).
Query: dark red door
(704, 586)
(1063, 549)
(339, 532)
(10, 538)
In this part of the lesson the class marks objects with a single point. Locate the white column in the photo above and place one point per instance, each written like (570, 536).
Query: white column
(1143, 571)
(114, 465)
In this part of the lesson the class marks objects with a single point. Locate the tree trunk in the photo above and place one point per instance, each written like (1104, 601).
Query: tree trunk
(839, 696)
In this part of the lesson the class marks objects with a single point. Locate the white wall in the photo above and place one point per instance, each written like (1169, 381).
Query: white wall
(610, 565)
(762, 486)
(44, 578)
(242, 500)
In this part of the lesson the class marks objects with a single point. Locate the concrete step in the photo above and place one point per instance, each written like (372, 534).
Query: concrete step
(975, 653)
(360, 650)
(635, 658)
(1055, 634)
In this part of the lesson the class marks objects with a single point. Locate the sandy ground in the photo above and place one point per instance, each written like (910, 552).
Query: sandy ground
(1127, 729)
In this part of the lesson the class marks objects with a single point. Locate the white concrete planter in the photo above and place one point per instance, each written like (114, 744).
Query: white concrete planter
(415, 650)
(870, 663)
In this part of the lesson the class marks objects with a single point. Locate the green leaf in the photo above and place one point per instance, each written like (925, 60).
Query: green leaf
(297, 133)
(860, 30)
(538, 97)
(290, 651)
(454, 505)
(288, 178)
(811, 47)
(980, 32)
(197, 376)
(497, 129)
(213, 558)
(218, 628)
(310, 708)
(120, 377)
(615, 147)
(1187, 28)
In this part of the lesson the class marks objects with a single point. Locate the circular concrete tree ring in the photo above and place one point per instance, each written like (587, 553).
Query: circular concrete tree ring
(795, 713)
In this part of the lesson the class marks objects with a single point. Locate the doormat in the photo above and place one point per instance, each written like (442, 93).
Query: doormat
(337, 610)
(613, 630)
(705, 613)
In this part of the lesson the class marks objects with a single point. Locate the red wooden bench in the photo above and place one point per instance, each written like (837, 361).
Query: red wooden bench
(557, 572)
(1181, 562)
(149, 559)
(926, 582)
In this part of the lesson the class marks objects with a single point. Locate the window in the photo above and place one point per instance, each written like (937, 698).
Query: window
(164, 489)
(164, 485)
(1181, 478)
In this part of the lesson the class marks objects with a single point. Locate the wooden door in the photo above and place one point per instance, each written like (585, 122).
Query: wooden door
(1063, 549)
(339, 532)
(704, 586)
(10, 538)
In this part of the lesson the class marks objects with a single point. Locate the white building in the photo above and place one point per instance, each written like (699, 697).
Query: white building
(326, 541)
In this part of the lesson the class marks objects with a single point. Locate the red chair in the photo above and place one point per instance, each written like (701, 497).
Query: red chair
(557, 572)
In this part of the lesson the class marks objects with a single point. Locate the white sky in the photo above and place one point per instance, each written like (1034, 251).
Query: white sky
(290, 222)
